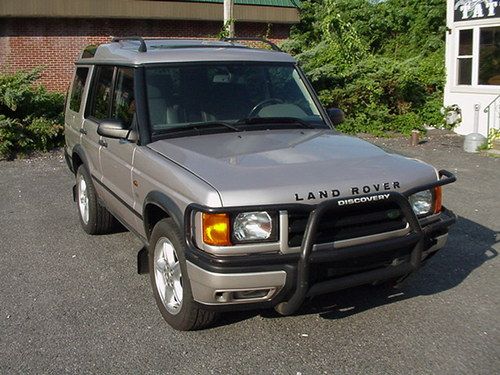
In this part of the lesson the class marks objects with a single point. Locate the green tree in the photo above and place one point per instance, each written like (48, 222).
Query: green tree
(382, 62)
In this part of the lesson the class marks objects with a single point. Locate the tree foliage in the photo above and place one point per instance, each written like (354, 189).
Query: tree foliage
(382, 62)
(30, 117)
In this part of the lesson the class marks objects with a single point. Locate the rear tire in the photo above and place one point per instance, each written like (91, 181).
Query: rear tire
(170, 281)
(94, 218)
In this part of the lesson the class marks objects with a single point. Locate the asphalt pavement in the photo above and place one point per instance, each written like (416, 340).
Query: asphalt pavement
(73, 303)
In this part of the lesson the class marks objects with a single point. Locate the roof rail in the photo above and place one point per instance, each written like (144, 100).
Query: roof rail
(142, 47)
(252, 39)
(89, 51)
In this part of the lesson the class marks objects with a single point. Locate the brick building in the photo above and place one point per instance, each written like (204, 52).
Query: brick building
(51, 33)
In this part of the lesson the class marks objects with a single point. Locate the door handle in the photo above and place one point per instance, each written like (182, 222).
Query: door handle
(103, 143)
(83, 131)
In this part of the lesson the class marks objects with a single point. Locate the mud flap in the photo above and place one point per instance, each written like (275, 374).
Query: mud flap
(143, 261)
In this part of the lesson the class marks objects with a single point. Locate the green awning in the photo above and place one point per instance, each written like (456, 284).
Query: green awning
(270, 3)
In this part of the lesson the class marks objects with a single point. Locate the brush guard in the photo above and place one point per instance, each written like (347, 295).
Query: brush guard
(415, 239)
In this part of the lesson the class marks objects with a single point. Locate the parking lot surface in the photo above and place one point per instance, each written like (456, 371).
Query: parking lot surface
(73, 303)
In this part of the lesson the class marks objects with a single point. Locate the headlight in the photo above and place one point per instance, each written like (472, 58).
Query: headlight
(252, 226)
(422, 202)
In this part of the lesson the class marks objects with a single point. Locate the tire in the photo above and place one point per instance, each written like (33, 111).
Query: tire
(94, 218)
(170, 281)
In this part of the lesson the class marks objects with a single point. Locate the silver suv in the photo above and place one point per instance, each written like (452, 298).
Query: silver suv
(221, 159)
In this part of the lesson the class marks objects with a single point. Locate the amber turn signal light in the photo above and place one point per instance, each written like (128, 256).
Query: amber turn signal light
(438, 199)
(216, 228)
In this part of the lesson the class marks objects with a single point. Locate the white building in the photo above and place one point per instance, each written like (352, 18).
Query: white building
(473, 63)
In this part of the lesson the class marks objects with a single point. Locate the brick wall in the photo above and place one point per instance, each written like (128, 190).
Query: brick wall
(55, 44)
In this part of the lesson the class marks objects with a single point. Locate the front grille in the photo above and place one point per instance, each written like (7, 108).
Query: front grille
(348, 222)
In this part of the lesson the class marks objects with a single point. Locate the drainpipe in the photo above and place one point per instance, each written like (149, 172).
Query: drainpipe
(477, 107)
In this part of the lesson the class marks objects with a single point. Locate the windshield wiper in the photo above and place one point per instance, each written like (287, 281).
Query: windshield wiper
(276, 120)
(199, 127)
(226, 124)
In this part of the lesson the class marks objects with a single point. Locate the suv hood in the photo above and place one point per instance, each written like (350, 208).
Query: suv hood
(292, 166)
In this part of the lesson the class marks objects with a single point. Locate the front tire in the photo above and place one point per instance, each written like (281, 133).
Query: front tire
(170, 281)
(94, 218)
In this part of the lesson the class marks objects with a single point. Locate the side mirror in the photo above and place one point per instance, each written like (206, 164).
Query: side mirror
(113, 129)
(336, 115)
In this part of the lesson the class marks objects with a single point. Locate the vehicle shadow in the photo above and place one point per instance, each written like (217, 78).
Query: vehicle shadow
(469, 246)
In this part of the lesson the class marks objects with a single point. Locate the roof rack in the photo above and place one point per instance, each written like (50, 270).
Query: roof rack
(142, 47)
(252, 39)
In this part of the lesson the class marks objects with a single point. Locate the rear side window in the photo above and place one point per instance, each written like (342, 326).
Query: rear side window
(77, 88)
(101, 94)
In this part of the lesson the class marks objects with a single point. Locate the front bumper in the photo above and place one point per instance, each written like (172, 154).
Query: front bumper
(286, 280)
(211, 288)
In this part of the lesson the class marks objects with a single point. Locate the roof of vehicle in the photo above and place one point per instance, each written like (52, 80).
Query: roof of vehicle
(150, 51)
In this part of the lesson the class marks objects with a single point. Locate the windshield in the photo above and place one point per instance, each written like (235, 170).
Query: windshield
(186, 97)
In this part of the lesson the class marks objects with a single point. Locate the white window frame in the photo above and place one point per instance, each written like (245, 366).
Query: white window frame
(459, 57)
(474, 87)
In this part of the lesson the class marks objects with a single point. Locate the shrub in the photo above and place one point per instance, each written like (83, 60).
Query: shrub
(382, 62)
(31, 118)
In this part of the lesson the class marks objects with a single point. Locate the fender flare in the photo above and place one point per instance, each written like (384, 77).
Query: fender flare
(165, 203)
(80, 151)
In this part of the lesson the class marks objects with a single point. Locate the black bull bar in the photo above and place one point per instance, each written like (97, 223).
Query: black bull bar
(416, 238)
